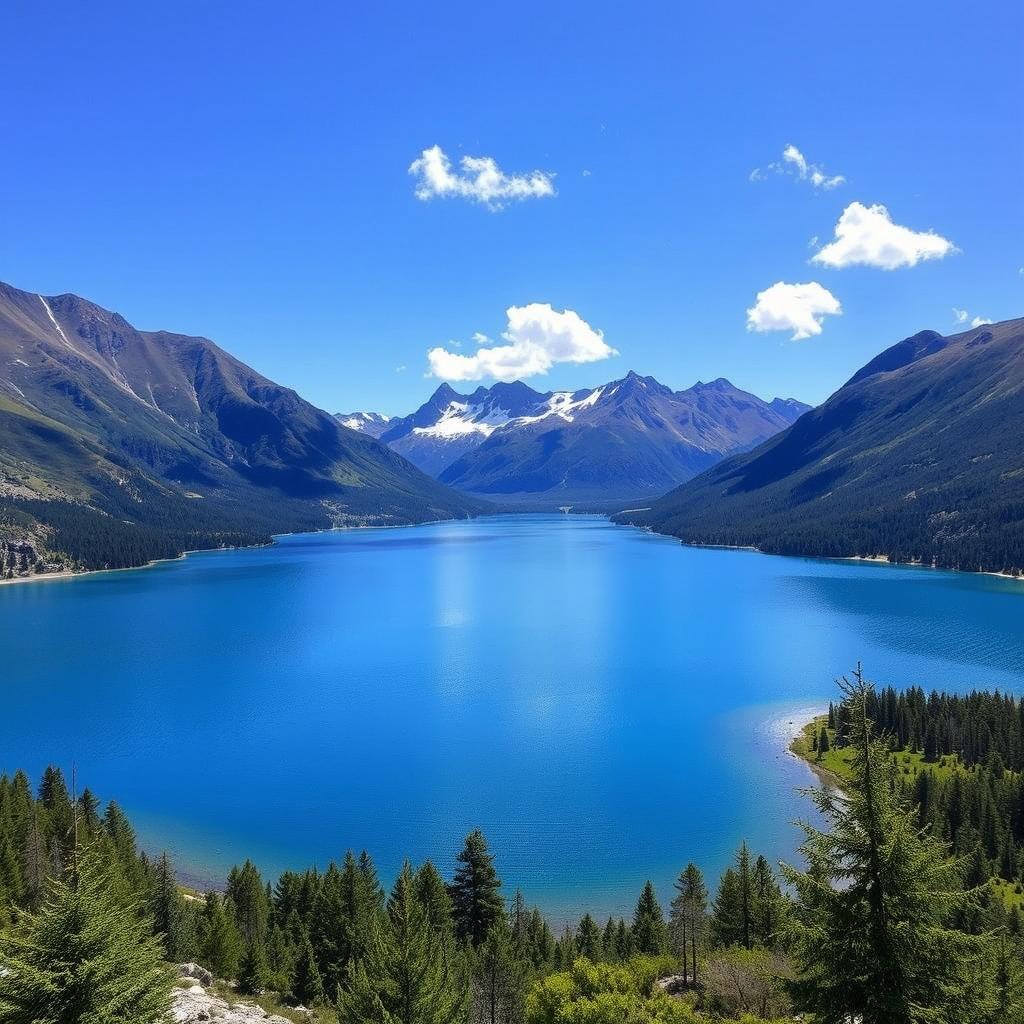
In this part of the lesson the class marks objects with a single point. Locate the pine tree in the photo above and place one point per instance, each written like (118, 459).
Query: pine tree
(608, 941)
(254, 973)
(624, 944)
(475, 891)
(249, 903)
(870, 934)
(767, 904)
(36, 866)
(649, 932)
(345, 919)
(519, 918)
(219, 940)
(499, 978)
(407, 975)
(307, 985)
(688, 917)
(727, 916)
(588, 939)
(165, 906)
(434, 898)
(88, 955)
(823, 743)
(744, 881)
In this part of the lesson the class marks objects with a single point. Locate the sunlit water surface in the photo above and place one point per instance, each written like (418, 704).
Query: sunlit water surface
(606, 704)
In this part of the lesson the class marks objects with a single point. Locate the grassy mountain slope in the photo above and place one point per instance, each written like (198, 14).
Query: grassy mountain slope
(919, 457)
(153, 442)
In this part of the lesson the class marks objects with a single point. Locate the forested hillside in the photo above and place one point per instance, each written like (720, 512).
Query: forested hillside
(119, 445)
(447, 946)
(917, 458)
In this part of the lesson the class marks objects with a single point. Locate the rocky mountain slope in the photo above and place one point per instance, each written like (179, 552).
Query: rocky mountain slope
(919, 457)
(119, 445)
(630, 439)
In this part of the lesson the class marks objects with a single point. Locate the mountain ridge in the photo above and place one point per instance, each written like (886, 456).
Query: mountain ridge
(916, 458)
(509, 442)
(163, 442)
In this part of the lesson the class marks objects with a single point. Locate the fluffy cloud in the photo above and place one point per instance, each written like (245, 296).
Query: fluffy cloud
(796, 165)
(961, 316)
(480, 180)
(536, 338)
(799, 308)
(867, 236)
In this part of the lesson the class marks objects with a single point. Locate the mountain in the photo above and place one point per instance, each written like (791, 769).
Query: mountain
(119, 445)
(449, 425)
(918, 457)
(372, 423)
(627, 440)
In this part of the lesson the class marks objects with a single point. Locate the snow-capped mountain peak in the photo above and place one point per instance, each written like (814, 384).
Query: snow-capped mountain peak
(372, 423)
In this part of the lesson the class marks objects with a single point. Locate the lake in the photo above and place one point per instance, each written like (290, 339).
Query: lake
(605, 703)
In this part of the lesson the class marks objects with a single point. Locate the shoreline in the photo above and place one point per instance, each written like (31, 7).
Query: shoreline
(873, 559)
(45, 577)
(68, 574)
(870, 559)
(825, 775)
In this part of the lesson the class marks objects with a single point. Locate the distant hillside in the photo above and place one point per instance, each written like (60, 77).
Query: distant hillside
(630, 439)
(118, 445)
(919, 457)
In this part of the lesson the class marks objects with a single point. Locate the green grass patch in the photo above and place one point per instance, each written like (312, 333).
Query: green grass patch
(836, 761)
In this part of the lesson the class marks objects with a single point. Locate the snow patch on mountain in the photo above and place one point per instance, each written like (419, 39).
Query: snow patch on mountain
(460, 419)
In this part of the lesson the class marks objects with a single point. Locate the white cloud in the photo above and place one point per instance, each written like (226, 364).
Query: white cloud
(401, 368)
(799, 308)
(536, 338)
(480, 180)
(809, 172)
(867, 236)
(961, 316)
(796, 165)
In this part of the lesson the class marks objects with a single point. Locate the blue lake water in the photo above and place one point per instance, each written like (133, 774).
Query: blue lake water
(605, 703)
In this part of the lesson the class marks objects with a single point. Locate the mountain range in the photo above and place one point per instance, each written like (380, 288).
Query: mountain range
(630, 439)
(119, 445)
(919, 457)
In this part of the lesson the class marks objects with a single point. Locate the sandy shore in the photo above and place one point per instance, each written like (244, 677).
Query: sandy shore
(40, 577)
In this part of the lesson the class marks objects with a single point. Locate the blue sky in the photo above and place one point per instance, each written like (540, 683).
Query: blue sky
(243, 173)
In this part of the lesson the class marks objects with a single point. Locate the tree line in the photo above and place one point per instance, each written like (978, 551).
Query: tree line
(884, 924)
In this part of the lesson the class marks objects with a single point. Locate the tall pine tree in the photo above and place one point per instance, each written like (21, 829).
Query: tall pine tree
(650, 935)
(87, 955)
(408, 975)
(871, 938)
(476, 891)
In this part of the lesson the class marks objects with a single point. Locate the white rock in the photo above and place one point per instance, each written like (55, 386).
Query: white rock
(194, 1005)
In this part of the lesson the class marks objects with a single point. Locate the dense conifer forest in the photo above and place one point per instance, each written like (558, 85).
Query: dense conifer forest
(907, 908)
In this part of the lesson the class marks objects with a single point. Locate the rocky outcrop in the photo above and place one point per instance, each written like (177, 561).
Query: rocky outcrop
(21, 557)
(193, 1004)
